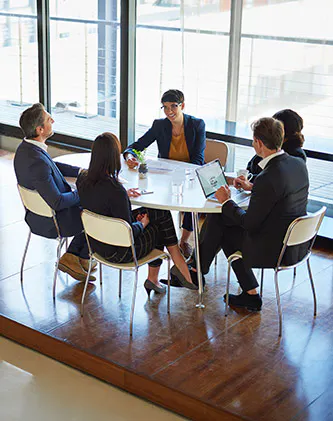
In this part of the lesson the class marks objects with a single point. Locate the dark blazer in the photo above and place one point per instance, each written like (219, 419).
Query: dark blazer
(36, 170)
(279, 195)
(254, 168)
(108, 198)
(161, 131)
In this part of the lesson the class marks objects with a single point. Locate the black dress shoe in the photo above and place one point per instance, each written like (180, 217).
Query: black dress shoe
(150, 286)
(182, 280)
(194, 277)
(245, 300)
(174, 282)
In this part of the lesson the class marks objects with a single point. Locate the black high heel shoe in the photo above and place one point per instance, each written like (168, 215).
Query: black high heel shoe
(150, 286)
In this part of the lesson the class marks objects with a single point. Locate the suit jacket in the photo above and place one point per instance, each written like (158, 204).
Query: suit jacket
(161, 131)
(36, 170)
(279, 195)
(254, 168)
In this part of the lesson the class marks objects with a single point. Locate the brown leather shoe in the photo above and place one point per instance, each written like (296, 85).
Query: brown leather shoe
(85, 265)
(69, 263)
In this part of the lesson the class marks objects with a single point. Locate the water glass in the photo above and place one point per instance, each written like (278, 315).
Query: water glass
(178, 183)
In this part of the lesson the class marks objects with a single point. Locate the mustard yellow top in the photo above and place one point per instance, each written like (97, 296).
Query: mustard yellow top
(178, 148)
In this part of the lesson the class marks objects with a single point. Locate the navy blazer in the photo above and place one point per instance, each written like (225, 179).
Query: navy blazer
(161, 131)
(279, 195)
(36, 170)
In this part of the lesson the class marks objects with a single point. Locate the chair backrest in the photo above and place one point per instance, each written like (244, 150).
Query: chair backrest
(216, 149)
(106, 229)
(304, 228)
(34, 202)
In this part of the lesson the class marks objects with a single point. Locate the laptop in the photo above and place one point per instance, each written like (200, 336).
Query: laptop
(212, 177)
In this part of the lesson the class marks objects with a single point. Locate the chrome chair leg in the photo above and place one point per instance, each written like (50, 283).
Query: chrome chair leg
(24, 255)
(60, 243)
(294, 275)
(85, 287)
(278, 301)
(168, 309)
(120, 280)
(313, 289)
(227, 290)
(100, 274)
(133, 301)
(261, 282)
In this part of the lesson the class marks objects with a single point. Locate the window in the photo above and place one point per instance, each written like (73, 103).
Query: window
(18, 58)
(286, 61)
(184, 49)
(84, 45)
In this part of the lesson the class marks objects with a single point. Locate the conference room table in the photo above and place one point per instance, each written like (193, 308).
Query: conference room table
(161, 173)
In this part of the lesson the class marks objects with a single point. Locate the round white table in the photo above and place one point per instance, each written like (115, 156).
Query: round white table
(159, 180)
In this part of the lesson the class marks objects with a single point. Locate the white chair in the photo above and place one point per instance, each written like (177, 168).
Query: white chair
(216, 149)
(33, 202)
(300, 231)
(117, 232)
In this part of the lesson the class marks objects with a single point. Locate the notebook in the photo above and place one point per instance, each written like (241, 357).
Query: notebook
(212, 177)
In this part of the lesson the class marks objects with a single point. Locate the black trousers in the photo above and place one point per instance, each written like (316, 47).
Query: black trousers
(160, 232)
(187, 221)
(79, 246)
(217, 234)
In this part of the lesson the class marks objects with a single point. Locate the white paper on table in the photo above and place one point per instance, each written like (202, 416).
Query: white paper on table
(158, 166)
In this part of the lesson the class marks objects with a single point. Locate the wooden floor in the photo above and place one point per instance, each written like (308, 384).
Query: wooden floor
(195, 362)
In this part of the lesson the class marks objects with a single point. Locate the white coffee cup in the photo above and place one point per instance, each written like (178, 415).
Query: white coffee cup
(245, 173)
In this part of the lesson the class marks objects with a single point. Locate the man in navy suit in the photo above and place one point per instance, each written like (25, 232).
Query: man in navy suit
(279, 195)
(36, 170)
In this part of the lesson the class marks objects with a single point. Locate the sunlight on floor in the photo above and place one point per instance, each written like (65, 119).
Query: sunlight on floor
(35, 388)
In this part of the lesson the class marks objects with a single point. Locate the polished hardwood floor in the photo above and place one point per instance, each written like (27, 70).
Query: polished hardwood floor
(197, 363)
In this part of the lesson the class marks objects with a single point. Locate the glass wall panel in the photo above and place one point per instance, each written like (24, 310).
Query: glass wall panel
(287, 62)
(18, 58)
(183, 48)
(84, 45)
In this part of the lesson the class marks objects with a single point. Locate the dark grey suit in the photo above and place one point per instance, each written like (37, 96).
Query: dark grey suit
(279, 195)
(36, 170)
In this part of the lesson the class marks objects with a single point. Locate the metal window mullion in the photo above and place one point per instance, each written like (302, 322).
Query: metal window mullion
(43, 31)
(234, 59)
(127, 72)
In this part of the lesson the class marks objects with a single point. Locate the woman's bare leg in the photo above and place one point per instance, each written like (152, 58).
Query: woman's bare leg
(179, 261)
(153, 275)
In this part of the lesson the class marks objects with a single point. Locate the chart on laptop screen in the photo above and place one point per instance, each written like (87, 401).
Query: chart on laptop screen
(211, 177)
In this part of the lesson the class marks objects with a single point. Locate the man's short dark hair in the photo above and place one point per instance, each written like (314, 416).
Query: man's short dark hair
(173, 95)
(270, 131)
(32, 118)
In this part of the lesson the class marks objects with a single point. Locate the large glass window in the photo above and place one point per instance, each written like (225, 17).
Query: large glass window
(182, 48)
(286, 61)
(84, 45)
(18, 58)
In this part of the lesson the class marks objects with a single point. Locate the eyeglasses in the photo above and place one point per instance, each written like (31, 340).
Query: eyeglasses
(172, 107)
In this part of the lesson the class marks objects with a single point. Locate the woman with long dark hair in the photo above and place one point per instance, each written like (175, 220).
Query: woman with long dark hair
(293, 138)
(101, 192)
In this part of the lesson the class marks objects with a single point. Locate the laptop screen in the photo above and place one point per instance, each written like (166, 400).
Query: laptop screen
(211, 177)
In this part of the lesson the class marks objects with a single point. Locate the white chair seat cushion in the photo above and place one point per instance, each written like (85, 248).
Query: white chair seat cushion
(153, 255)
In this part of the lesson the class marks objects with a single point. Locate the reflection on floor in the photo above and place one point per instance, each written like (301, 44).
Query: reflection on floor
(195, 362)
(34, 387)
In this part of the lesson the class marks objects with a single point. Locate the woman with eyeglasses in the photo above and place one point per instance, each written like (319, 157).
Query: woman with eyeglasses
(179, 136)
(101, 192)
